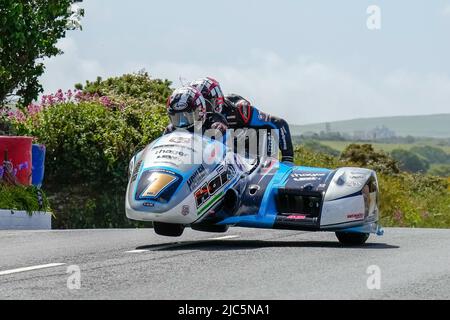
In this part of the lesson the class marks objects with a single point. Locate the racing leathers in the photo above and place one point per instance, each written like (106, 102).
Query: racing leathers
(239, 113)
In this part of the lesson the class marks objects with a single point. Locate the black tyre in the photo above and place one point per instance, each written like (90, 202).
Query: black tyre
(352, 238)
(210, 228)
(168, 229)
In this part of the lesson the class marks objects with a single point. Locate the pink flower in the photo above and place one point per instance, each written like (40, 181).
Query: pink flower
(105, 101)
(69, 94)
(50, 100)
(78, 96)
(60, 96)
(33, 109)
(17, 115)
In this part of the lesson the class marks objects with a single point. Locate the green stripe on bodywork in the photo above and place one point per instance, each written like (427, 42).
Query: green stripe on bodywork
(209, 203)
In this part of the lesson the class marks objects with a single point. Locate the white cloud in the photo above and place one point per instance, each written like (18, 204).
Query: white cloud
(446, 10)
(301, 91)
(306, 91)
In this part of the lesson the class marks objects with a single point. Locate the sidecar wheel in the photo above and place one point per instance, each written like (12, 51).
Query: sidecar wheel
(168, 229)
(352, 238)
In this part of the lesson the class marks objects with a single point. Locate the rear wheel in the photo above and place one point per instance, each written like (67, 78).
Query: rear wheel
(168, 229)
(352, 238)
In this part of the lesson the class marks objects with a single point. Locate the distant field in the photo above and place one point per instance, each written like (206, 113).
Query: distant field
(387, 147)
(436, 126)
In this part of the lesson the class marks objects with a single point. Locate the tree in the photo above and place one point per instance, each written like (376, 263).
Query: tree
(432, 154)
(29, 31)
(409, 161)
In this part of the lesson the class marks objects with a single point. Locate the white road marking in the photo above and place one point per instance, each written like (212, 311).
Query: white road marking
(137, 251)
(43, 266)
(225, 237)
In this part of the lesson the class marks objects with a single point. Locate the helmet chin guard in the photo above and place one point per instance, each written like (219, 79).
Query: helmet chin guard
(186, 107)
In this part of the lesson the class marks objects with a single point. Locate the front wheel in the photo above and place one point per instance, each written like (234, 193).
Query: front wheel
(168, 229)
(352, 238)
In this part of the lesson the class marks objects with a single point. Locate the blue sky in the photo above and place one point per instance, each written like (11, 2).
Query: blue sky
(307, 61)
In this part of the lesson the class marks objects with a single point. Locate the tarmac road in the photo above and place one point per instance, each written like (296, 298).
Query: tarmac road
(239, 264)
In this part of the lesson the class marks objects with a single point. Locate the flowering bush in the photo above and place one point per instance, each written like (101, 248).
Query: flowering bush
(406, 200)
(90, 138)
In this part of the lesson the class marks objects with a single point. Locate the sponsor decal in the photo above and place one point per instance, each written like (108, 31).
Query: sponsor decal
(353, 184)
(180, 106)
(181, 140)
(209, 188)
(171, 152)
(166, 157)
(296, 217)
(169, 163)
(263, 116)
(196, 177)
(185, 210)
(310, 176)
(357, 173)
(165, 146)
(148, 204)
(355, 216)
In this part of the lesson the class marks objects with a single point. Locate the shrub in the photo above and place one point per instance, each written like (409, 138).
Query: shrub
(408, 200)
(5, 123)
(316, 146)
(90, 139)
(23, 198)
(364, 155)
(305, 156)
(409, 161)
(414, 200)
(130, 88)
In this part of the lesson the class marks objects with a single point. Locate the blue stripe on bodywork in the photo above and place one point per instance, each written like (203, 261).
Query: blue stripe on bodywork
(251, 221)
(267, 213)
(268, 202)
(310, 169)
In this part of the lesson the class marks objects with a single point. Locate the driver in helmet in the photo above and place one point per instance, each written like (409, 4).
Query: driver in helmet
(187, 110)
(239, 113)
